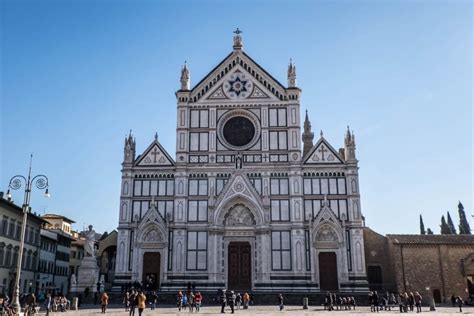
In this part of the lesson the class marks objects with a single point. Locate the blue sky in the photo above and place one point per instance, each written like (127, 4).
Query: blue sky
(77, 75)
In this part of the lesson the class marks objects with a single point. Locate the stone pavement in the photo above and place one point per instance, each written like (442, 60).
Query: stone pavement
(262, 310)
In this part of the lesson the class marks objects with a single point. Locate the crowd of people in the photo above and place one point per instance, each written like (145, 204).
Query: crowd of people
(32, 305)
(334, 302)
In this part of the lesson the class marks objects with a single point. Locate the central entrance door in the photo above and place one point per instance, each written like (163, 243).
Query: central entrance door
(151, 270)
(328, 271)
(239, 268)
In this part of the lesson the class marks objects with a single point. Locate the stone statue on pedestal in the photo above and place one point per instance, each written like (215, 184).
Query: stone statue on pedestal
(90, 242)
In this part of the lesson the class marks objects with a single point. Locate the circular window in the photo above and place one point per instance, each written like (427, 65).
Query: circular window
(239, 131)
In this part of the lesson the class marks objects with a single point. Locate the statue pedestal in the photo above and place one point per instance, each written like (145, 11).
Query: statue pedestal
(87, 275)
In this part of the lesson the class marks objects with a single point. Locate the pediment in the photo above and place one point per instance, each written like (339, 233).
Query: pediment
(239, 85)
(238, 186)
(322, 153)
(155, 155)
(222, 83)
(325, 214)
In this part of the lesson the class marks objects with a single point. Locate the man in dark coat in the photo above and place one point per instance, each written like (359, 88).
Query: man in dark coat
(222, 299)
(230, 298)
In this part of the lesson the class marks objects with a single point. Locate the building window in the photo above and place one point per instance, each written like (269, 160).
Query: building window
(280, 210)
(2, 253)
(197, 211)
(165, 208)
(198, 142)
(11, 231)
(279, 186)
(197, 251)
(281, 251)
(277, 117)
(220, 184)
(4, 225)
(153, 187)
(198, 187)
(278, 140)
(170, 250)
(338, 207)
(331, 186)
(139, 209)
(199, 118)
(307, 244)
(257, 184)
(130, 252)
(349, 250)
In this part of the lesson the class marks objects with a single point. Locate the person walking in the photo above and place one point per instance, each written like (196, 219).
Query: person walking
(280, 301)
(104, 301)
(153, 300)
(405, 302)
(238, 300)
(198, 301)
(375, 299)
(132, 302)
(371, 301)
(185, 301)
(126, 301)
(417, 297)
(48, 303)
(230, 299)
(179, 300)
(460, 302)
(141, 303)
(245, 300)
(453, 300)
(222, 299)
(400, 301)
(411, 301)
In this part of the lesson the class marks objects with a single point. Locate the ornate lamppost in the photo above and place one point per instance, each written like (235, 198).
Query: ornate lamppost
(41, 182)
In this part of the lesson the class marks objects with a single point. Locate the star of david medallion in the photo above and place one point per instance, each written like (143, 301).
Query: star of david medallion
(238, 86)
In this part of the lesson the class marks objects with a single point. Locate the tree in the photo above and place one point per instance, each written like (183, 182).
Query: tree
(445, 230)
(464, 227)
(429, 231)
(422, 226)
(451, 225)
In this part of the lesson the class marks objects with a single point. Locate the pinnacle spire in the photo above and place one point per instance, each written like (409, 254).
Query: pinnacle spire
(185, 77)
(308, 135)
(291, 74)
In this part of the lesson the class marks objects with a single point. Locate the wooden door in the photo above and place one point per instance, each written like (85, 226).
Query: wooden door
(239, 266)
(328, 271)
(151, 270)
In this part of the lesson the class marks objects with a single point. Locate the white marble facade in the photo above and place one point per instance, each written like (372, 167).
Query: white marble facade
(244, 195)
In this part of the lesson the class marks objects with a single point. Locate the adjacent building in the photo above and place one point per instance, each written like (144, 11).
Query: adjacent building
(437, 266)
(11, 217)
(250, 202)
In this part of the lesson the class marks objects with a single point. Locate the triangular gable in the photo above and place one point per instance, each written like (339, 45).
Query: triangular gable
(238, 185)
(239, 85)
(152, 227)
(325, 214)
(155, 155)
(322, 153)
(239, 59)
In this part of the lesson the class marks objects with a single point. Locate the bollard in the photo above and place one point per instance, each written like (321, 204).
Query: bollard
(305, 303)
(74, 303)
(432, 305)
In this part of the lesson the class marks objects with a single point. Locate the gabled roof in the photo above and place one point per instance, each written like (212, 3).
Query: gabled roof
(155, 155)
(237, 58)
(322, 153)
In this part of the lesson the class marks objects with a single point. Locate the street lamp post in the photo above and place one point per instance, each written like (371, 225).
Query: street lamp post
(41, 182)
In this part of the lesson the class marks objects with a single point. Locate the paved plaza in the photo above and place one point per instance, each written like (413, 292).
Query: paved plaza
(264, 310)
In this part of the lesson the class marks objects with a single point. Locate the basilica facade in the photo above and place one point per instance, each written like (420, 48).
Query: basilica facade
(251, 201)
